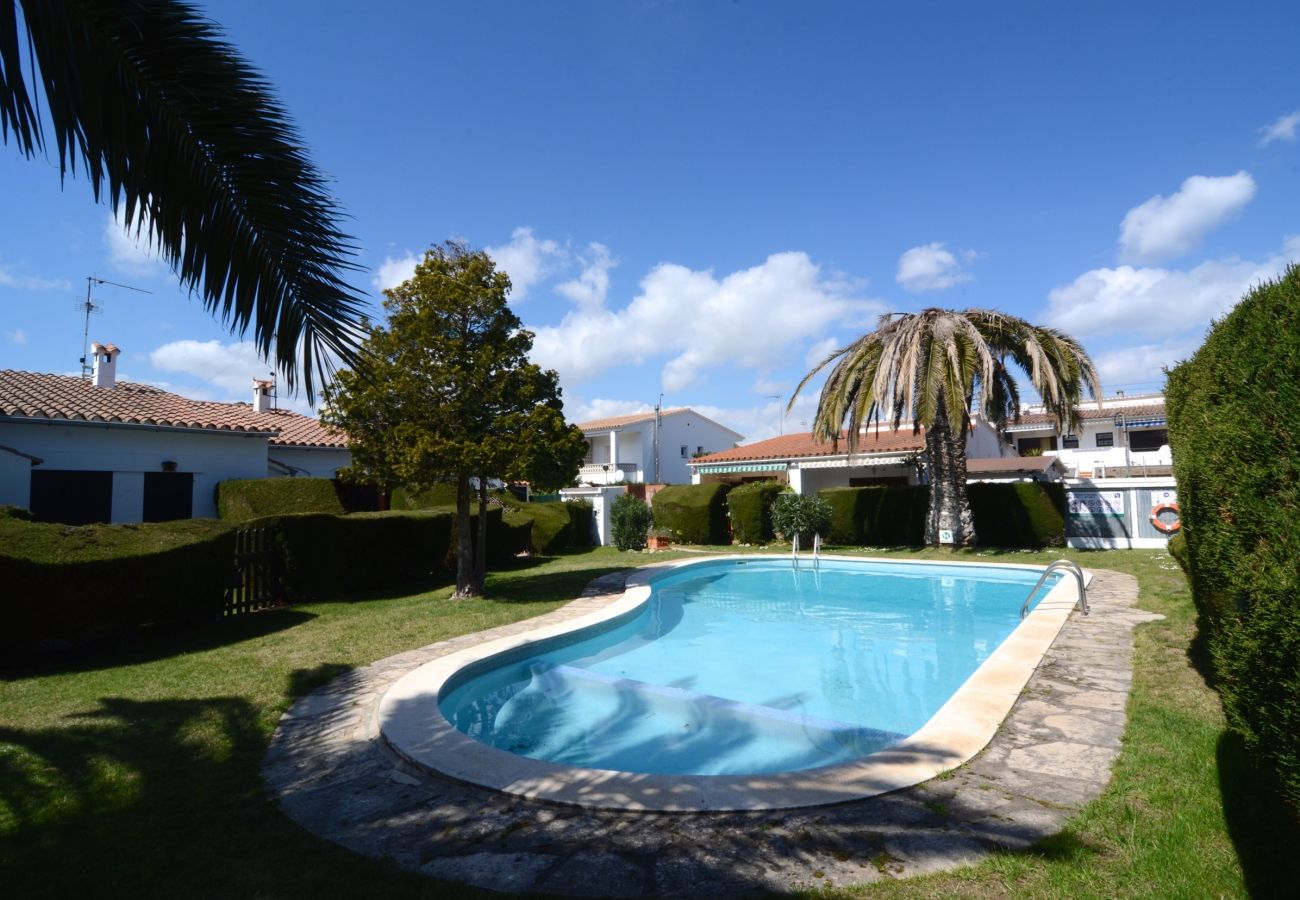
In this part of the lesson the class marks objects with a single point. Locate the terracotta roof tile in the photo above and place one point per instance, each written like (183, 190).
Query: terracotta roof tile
(1091, 413)
(31, 395)
(647, 417)
(796, 446)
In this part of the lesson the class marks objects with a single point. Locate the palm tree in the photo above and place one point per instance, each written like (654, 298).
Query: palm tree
(188, 144)
(936, 367)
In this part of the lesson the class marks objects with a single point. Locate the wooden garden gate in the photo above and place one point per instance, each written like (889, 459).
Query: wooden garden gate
(256, 581)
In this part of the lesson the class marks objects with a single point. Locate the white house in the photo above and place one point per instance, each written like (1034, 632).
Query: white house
(1120, 437)
(77, 451)
(650, 448)
(883, 456)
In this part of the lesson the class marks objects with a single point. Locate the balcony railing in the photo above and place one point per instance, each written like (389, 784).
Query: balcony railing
(604, 473)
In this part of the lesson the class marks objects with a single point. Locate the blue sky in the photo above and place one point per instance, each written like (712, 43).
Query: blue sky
(701, 199)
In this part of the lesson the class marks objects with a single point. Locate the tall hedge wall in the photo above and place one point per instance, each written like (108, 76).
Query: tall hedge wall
(750, 506)
(240, 500)
(1234, 426)
(1016, 514)
(877, 516)
(1027, 514)
(694, 513)
(74, 584)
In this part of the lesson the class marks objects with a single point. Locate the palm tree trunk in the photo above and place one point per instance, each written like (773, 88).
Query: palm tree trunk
(464, 542)
(949, 509)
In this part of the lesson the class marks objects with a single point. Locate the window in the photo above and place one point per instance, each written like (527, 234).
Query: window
(1148, 440)
(1070, 442)
(686, 451)
(1035, 446)
(699, 451)
(72, 498)
(1105, 439)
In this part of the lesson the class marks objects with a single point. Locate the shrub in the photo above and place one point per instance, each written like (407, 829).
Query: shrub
(76, 584)
(1019, 514)
(1234, 414)
(582, 516)
(630, 521)
(240, 500)
(751, 511)
(877, 516)
(801, 514)
(694, 513)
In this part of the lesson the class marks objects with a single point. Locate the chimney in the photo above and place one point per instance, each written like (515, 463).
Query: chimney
(105, 372)
(262, 395)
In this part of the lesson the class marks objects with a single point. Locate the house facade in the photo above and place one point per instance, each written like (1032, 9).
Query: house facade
(650, 448)
(78, 451)
(1117, 438)
(883, 456)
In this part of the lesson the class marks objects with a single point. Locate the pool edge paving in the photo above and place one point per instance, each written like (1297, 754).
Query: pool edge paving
(333, 773)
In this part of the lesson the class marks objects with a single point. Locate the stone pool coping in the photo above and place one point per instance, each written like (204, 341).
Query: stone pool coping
(409, 721)
(330, 772)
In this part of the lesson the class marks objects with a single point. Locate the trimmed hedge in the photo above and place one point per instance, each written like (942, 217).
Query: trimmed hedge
(693, 513)
(241, 500)
(1028, 514)
(582, 515)
(877, 516)
(325, 557)
(1234, 416)
(439, 495)
(76, 584)
(751, 511)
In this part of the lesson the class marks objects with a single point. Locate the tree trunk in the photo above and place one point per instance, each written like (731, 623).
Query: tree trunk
(480, 552)
(949, 509)
(465, 586)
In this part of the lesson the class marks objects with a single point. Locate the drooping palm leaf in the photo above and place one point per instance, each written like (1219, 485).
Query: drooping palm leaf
(181, 136)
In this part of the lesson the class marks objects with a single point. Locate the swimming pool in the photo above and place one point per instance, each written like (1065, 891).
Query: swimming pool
(722, 674)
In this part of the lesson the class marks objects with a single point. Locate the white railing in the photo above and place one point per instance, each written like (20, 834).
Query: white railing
(605, 473)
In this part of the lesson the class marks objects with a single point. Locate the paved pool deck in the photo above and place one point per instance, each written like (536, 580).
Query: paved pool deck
(332, 773)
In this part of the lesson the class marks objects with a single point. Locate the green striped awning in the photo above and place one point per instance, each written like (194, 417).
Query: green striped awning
(747, 467)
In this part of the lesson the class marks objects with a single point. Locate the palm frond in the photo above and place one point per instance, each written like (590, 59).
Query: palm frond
(177, 132)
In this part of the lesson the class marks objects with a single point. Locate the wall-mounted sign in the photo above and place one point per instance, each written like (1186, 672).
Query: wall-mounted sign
(1095, 503)
(945, 536)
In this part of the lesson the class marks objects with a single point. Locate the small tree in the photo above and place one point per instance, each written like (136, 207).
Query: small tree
(801, 514)
(445, 392)
(630, 520)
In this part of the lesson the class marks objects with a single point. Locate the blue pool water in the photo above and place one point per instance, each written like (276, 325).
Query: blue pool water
(750, 666)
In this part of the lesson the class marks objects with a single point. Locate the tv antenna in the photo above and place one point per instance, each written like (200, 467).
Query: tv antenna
(778, 398)
(88, 306)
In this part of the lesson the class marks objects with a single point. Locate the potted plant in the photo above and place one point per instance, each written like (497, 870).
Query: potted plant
(659, 539)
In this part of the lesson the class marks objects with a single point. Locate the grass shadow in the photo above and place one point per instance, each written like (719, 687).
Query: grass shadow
(1265, 832)
(154, 798)
(546, 588)
(145, 645)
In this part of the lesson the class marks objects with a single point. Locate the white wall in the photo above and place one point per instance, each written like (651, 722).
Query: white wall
(15, 480)
(319, 462)
(691, 430)
(601, 500)
(128, 452)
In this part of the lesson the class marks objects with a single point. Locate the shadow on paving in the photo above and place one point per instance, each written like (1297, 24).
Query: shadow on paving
(1265, 832)
(164, 798)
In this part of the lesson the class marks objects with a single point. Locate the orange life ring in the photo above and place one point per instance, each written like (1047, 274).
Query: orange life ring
(1165, 527)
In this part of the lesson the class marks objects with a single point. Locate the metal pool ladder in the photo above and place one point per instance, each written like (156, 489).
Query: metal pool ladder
(1069, 566)
(817, 550)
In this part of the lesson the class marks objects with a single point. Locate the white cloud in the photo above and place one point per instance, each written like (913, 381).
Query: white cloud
(228, 367)
(1168, 227)
(32, 282)
(527, 260)
(932, 267)
(394, 270)
(603, 408)
(1142, 366)
(589, 289)
(820, 350)
(129, 249)
(1284, 129)
(17, 336)
(1156, 301)
(748, 319)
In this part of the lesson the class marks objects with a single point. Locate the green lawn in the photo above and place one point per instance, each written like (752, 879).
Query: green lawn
(135, 772)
